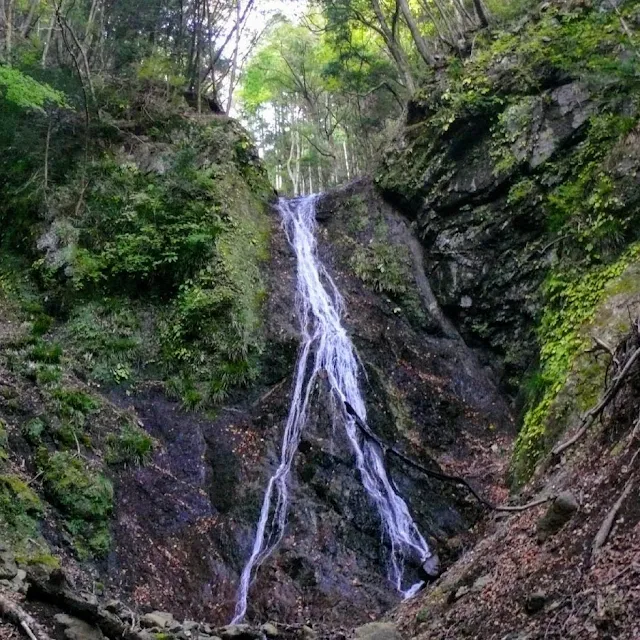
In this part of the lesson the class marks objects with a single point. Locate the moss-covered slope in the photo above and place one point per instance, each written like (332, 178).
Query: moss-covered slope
(519, 166)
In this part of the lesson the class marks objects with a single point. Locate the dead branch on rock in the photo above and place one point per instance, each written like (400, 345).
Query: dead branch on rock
(588, 418)
(607, 524)
(15, 614)
(388, 449)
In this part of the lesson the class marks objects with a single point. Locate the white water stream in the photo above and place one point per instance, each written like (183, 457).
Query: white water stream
(326, 348)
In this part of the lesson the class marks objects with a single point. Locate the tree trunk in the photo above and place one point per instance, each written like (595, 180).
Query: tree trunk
(482, 16)
(8, 30)
(346, 159)
(234, 61)
(421, 43)
(394, 47)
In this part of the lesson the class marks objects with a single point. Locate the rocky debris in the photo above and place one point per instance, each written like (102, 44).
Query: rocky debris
(158, 619)
(270, 630)
(377, 631)
(76, 629)
(557, 515)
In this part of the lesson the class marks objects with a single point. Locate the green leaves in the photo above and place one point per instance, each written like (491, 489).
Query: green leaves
(26, 93)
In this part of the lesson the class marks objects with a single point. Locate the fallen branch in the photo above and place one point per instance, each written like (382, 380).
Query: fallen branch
(607, 524)
(388, 449)
(599, 408)
(15, 614)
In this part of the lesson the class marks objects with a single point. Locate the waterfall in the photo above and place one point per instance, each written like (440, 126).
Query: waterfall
(326, 348)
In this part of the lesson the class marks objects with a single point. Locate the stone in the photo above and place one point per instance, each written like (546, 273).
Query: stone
(431, 567)
(8, 566)
(18, 581)
(461, 592)
(190, 625)
(535, 602)
(270, 630)
(557, 515)
(159, 619)
(377, 631)
(76, 629)
(481, 583)
(238, 632)
(308, 633)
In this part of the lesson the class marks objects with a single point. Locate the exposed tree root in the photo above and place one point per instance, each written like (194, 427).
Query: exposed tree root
(389, 450)
(15, 614)
(607, 524)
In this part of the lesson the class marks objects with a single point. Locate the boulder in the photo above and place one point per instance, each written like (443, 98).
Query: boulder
(76, 629)
(8, 566)
(377, 631)
(238, 632)
(270, 630)
(557, 515)
(159, 619)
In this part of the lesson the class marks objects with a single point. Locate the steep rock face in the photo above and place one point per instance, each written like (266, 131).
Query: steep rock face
(185, 524)
(487, 161)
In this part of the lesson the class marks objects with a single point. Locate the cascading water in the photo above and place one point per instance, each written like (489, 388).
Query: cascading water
(326, 347)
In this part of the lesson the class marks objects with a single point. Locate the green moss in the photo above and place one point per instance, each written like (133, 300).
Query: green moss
(387, 268)
(84, 497)
(423, 615)
(572, 300)
(20, 508)
(46, 560)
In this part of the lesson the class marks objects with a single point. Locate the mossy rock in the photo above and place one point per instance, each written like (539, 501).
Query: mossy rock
(602, 307)
(84, 497)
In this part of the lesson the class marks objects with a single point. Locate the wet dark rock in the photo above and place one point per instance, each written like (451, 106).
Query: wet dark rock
(535, 602)
(115, 606)
(557, 515)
